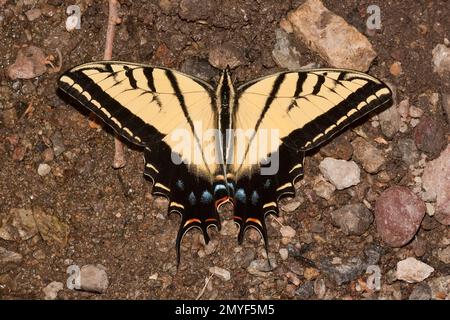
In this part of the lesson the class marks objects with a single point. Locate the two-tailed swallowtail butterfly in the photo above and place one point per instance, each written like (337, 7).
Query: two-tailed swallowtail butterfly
(205, 146)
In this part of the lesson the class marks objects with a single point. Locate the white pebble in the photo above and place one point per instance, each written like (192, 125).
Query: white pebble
(412, 270)
(341, 173)
(430, 209)
(284, 254)
(287, 232)
(221, 273)
(44, 169)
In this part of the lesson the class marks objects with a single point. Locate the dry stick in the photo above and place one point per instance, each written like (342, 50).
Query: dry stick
(113, 20)
(204, 287)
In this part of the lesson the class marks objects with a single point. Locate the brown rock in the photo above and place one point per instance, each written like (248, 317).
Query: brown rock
(30, 63)
(51, 229)
(429, 136)
(352, 219)
(339, 148)
(339, 43)
(398, 214)
(225, 55)
(436, 182)
(396, 69)
(369, 156)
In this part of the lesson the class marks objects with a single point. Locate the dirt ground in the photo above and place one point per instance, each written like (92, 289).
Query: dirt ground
(112, 218)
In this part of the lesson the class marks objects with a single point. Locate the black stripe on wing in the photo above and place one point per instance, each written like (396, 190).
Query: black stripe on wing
(114, 114)
(313, 133)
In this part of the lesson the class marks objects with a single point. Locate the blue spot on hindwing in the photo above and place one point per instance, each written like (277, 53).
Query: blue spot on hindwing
(240, 195)
(255, 198)
(219, 187)
(192, 199)
(267, 184)
(180, 185)
(206, 197)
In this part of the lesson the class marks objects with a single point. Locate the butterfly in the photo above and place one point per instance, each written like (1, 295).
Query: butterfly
(205, 146)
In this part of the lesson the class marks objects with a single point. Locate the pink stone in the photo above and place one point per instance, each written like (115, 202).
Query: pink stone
(398, 214)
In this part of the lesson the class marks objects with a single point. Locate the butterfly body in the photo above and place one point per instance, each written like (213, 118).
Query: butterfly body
(206, 146)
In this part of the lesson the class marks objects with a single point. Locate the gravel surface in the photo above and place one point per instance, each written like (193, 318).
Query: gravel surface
(64, 211)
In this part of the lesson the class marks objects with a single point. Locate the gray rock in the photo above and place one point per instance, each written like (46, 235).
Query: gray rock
(352, 219)
(344, 272)
(390, 119)
(440, 287)
(421, 291)
(285, 55)
(319, 288)
(93, 278)
(444, 255)
(408, 151)
(441, 59)
(412, 270)
(339, 43)
(199, 68)
(305, 290)
(446, 105)
(324, 189)
(429, 136)
(437, 185)
(373, 254)
(290, 206)
(58, 143)
(398, 214)
(52, 289)
(226, 55)
(261, 267)
(369, 156)
(342, 174)
(7, 257)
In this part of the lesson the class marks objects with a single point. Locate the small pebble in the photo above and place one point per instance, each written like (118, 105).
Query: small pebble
(429, 136)
(396, 68)
(311, 273)
(441, 59)
(412, 270)
(444, 255)
(306, 290)
(342, 174)
(352, 219)
(94, 278)
(44, 169)
(287, 232)
(421, 291)
(369, 156)
(221, 273)
(284, 253)
(33, 14)
(415, 112)
(52, 289)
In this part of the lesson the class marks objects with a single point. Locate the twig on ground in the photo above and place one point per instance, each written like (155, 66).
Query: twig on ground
(204, 287)
(113, 19)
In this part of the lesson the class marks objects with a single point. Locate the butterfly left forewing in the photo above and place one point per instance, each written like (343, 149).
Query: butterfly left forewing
(167, 113)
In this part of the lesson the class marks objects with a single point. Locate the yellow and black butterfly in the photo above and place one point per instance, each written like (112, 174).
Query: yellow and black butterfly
(205, 146)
